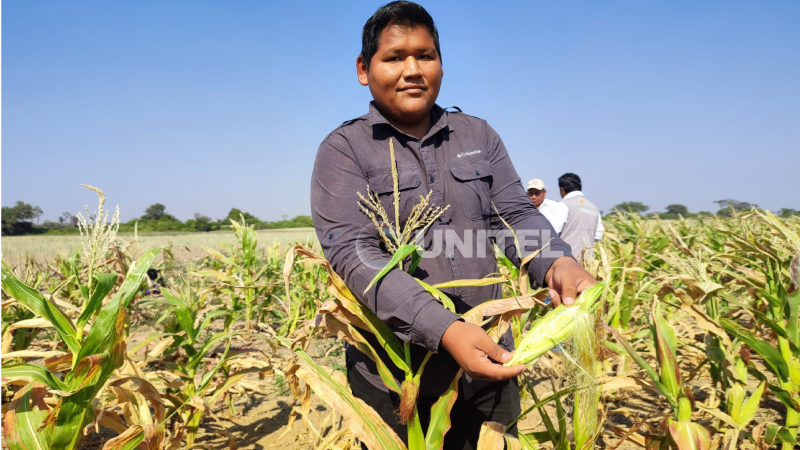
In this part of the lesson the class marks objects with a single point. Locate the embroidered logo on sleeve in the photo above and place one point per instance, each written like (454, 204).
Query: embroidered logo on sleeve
(475, 152)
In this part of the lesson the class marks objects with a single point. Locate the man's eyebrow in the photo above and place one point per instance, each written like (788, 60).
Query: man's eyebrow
(400, 49)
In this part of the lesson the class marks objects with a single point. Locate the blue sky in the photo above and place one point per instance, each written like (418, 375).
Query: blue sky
(204, 106)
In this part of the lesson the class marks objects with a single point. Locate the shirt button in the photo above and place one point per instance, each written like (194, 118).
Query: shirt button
(432, 178)
(477, 172)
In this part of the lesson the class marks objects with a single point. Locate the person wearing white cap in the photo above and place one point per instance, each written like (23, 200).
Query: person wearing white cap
(555, 212)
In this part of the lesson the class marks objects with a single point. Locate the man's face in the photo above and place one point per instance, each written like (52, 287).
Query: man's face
(537, 196)
(405, 74)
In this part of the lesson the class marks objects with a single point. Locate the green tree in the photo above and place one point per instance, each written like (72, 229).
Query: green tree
(201, 223)
(788, 212)
(728, 206)
(68, 220)
(636, 207)
(235, 214)
(154, 212)
(18, 219)
(677, 209)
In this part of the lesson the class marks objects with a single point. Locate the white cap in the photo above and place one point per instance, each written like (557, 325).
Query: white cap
(536, 184)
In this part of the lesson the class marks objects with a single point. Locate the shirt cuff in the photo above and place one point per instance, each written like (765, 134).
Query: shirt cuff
(541, 263)
(430, 324)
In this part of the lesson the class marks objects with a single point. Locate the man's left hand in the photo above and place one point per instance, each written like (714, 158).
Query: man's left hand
(566, 279)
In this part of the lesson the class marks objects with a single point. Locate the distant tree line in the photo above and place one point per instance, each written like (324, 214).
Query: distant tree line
(19, 220)
(727, 208)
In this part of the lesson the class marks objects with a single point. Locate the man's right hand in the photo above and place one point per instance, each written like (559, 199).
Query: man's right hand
(472, 349)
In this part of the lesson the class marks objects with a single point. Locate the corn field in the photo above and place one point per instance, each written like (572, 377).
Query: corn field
(694, 343)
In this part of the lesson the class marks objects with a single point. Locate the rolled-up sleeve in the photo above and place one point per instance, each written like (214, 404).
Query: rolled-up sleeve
(351, 243)
(533, 229)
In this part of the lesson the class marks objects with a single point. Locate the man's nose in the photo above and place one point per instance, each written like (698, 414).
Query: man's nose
(411, 68)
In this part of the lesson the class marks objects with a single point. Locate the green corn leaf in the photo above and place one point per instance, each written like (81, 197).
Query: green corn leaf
(750, 406)
(776, 222)
(792, 318)
(774, 326)
(641, 362)
(218, 274)
(224, 259)
(771, 356)
(666, 345)
(183, 314)
(540, 403)
(416, 258)
(440, 416)
(563, 444)
(402, 253)
(195, 360)
(33, 300)
(211, 315)
(787, 436)
(438, 295)
(416, 436)
(38, 373)
(76, 410)
(105, 283)
(783, 395)
(21, 423)
(503, 260)
(103, 328)
(689, 435)
(528, 441)
(210, 374)
(385, 336)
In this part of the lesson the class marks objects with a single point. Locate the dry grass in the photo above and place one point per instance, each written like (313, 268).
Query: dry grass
(185, 245)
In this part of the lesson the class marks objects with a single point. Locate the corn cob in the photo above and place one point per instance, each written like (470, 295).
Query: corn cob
(556, 326)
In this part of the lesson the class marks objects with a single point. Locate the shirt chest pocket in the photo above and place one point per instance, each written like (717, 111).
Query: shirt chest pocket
(473, 182)
(408, 183)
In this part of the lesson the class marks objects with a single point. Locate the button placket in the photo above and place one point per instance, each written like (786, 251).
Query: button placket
(426, 149)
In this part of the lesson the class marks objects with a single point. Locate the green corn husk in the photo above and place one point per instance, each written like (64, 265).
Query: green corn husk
(557, 325)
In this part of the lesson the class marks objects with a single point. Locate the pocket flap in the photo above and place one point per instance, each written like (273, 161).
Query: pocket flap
(382, 183)
(471, 170)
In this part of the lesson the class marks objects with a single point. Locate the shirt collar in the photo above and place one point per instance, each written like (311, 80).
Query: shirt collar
(573, 194)
(438, 117)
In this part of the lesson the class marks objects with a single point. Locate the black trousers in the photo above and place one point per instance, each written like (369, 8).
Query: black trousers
(498, 402)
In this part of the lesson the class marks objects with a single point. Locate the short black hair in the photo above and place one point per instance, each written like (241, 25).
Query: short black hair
(569, 182)
(407, 14)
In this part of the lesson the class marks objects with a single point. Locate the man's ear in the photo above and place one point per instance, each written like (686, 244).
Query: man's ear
(361, 69)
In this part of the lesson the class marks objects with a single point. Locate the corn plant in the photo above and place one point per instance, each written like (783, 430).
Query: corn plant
(87, 359)
(776, 309)
(190, 349)
(93, 357)
(348, 318)
(678, 430)
(242, 276)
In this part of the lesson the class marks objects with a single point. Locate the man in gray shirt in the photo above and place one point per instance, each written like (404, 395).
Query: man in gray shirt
(584, 225)
(461, 160)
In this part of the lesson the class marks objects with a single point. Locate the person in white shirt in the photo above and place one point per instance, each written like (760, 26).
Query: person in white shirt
(555, 212)
(584, 225)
